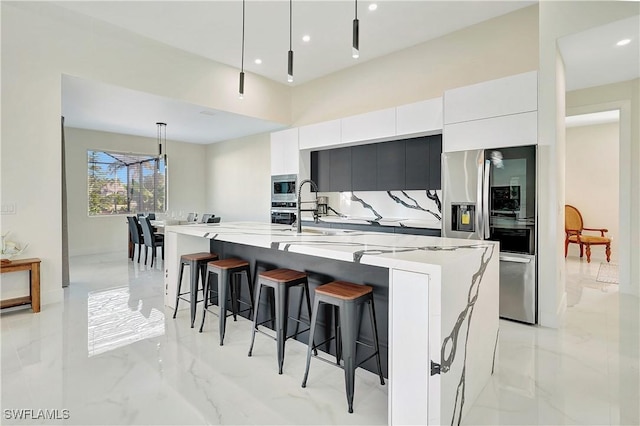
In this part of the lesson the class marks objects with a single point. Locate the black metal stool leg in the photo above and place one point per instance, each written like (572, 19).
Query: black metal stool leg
(374, 324)
(206, 298)
(282, 316)
(347, 323)
(223, 283)
(255, 318)
(311, 345)
(175, 311)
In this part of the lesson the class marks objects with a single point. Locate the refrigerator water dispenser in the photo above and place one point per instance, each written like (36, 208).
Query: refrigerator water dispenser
(463, 217)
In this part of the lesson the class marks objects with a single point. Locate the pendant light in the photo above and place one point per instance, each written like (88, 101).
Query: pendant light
(290, 55)
(241, 90)
(355, 51)
(162, 136)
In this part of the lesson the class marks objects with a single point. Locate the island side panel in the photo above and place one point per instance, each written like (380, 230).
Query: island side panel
(409, 307)
(175, 246)
(321, 271)
(470, 318)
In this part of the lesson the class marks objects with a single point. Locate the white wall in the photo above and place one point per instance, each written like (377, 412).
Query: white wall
(496, 48)
(239, 178)
(591, 181)
(558, 19)
(40, 42)
(624, 96)
(102, 234)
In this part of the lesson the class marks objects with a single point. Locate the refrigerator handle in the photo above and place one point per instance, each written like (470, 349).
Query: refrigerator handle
(485, 199)
(479, 214)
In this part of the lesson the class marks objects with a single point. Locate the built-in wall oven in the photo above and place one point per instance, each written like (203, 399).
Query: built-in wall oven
(284, 199)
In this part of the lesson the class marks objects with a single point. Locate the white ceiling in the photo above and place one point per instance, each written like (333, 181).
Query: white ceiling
(212, 29)
(93, 105)
(592, 57)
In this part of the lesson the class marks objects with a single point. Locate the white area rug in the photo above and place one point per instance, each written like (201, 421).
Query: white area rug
(608, 273)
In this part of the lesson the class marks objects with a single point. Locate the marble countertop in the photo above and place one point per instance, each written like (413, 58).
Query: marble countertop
(409, 252)
(384, 221)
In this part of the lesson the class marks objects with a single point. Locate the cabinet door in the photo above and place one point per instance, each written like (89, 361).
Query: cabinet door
(390, 165)
(320, 135)
(340, 178)
(435, 165)
(423, 116)
(417, 153)
(321, 169)
(369, 126)
(285, 154)
(364, 167)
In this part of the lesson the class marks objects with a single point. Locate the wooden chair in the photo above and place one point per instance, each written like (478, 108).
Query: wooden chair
(574, 227)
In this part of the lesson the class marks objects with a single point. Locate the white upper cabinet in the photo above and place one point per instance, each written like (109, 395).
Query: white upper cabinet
(504, 96)
(370, 126)
(497, 132)
(285, 154)
(419, 117)
(320, 135)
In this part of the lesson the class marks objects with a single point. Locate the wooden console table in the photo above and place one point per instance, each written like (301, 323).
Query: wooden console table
(33, 266)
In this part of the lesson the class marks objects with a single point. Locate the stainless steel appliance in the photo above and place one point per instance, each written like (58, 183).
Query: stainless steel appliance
(491, 195)
(283, 199)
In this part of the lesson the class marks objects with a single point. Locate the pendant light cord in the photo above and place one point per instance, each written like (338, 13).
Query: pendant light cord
(290, 23)
(242, 59)
(356, 9)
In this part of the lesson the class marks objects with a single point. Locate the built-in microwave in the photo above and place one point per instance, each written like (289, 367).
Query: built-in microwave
(283, 188)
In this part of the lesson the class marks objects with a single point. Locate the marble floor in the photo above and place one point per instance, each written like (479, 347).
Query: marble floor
(111, 354)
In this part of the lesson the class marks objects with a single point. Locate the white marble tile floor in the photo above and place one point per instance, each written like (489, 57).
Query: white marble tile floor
(112, 354)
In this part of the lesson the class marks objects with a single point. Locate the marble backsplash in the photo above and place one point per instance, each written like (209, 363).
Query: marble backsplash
(423, 205)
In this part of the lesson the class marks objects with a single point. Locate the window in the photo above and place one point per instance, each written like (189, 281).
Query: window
(122, 183)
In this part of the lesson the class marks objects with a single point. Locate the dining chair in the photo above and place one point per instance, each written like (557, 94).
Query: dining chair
(135, 233)
(151, 240)
(192, 217)
(574, 233)
(206, 217)
(214, 219)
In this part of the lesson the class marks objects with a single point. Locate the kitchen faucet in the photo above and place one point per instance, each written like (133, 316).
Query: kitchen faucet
(315, 211)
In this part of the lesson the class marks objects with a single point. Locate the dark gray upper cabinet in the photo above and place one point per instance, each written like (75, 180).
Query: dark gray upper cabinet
(391, 163)
(417, 166)
(435, 165)
(340, 179)
(364, 167)
(409, 164)
(321, 169)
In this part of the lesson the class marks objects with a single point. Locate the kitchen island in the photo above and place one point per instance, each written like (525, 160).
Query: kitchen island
(438, 298)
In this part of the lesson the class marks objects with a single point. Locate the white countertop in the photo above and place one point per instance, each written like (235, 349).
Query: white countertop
(409, 252)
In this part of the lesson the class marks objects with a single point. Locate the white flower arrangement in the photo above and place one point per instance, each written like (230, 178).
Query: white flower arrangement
(11, 249)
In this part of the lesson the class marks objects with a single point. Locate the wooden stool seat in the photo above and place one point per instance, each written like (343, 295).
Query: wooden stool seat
(198, 257)
(283, 275)
(344, 290)
(228, 263)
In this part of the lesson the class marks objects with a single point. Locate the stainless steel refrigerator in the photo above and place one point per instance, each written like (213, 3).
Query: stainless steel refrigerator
(490, 194)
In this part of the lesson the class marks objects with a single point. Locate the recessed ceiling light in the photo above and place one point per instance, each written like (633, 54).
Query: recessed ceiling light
(258, 61)
(306, 38)
(373, 7)
(623, 42)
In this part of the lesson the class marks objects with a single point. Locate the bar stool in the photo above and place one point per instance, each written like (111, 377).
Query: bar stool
(280, 280)
(227, 270)
(347, 298)
(197, 263)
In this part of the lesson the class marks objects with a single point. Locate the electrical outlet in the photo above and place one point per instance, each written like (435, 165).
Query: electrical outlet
(9, 208)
